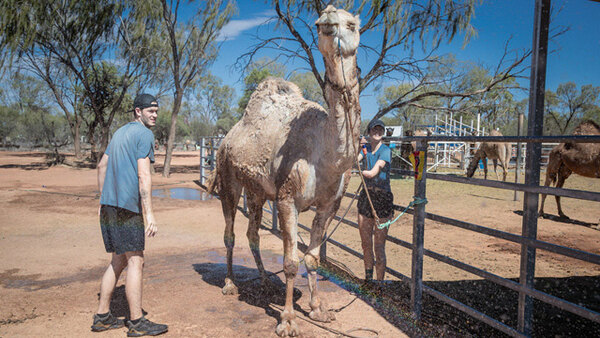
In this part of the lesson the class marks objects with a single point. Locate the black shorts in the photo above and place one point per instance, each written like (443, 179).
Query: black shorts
(122, 230)
(383, 202)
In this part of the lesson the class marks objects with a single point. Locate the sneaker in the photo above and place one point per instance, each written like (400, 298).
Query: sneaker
(145, 328)
(107, 323)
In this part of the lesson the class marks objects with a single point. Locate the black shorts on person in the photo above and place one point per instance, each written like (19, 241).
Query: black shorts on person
(383, 202)
(122, 229)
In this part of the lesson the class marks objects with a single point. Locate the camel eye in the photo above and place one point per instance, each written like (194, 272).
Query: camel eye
(351, 26)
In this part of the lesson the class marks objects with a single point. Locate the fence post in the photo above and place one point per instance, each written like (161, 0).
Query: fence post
(323, 249)
(274, 211)
(518, 161)
(202, 161)
(416, 287)
(535, 127)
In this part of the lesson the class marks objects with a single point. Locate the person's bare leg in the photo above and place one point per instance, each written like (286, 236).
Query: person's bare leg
(365, 228)
(109, 281)
(380, 235)
(133, 285)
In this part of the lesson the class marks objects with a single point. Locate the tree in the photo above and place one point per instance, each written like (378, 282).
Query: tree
(193, 48)
(78, 35)
(212, 100)
(395, 28)
(309, 86)
(568, 106)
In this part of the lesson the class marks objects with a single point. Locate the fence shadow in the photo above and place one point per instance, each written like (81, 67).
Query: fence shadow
(391, 299)
(564, 220)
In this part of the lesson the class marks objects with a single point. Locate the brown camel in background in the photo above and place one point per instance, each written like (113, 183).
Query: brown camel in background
(495, 151)
(567, 158)
(294, 152)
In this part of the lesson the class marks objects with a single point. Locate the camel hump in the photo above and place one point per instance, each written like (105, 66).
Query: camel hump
(495, 132)
(278, 86)
(587, 127)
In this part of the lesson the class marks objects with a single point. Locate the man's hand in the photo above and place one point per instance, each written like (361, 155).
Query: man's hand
(151, 227)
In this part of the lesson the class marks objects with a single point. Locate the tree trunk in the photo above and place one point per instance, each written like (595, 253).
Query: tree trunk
(77, 137)
(172, 131)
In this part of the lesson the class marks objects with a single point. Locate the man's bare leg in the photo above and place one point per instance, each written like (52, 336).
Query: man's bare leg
(133, 285)
(109, 281)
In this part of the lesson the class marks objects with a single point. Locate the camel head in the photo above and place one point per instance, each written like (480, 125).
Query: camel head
(338, 29)
(474, 163)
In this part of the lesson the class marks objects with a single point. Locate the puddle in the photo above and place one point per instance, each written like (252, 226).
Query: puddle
(182, 194)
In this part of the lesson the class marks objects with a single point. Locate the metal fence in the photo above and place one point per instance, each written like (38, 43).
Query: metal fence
(418, 287)
(531, 189)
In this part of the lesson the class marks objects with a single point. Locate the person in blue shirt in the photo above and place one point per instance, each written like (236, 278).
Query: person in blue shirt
(377, 157)
(125, 184)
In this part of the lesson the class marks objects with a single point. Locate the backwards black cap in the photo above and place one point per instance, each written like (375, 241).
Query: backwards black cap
(374, 123)
(144, 101)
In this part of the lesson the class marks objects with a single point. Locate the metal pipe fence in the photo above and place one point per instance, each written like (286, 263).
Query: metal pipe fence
(418, 287)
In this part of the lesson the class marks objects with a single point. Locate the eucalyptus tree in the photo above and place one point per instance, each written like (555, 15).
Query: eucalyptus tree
(193, 47)
(399, 40)
(569, 105)
(75, 39)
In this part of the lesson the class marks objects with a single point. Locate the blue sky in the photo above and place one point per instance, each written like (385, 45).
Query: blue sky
(575, 56)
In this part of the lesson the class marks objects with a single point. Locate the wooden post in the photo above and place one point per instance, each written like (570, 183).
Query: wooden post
(416, 287)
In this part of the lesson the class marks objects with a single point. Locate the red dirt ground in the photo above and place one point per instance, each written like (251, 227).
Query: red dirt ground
(53, 258)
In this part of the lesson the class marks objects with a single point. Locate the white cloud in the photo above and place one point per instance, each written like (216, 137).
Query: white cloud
(235, 27)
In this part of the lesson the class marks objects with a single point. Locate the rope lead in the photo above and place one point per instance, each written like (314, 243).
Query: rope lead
(416, 200)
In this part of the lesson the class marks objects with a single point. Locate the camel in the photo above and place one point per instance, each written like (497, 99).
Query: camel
(495, 151)
(567, 158)
(293, 151)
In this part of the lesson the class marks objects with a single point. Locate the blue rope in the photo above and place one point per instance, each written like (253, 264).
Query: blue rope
(414, 202)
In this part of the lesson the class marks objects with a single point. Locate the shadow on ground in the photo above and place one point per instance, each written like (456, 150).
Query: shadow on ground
(564, 220)
(250, 288)
(391, 299)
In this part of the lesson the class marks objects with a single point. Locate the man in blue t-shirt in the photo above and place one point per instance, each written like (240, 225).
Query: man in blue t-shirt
(125, 184)
(376, 172)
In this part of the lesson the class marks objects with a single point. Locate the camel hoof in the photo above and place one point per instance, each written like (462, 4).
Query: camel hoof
(229, 288)
(321, 314)
(287, 328)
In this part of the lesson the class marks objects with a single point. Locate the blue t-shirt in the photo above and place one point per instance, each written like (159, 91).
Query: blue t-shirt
(121, 187)
(382, 180)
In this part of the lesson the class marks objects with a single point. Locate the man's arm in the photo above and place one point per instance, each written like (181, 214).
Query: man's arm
(101, 175)
(102, 171)
(145, 183)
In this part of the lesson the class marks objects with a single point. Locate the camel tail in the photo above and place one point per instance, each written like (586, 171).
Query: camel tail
(211, 182)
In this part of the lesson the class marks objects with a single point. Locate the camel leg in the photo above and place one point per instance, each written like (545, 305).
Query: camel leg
(319, 311)
(484, 160)
(255, 210)
(288, 219)
(230, 195)
(495, 162)
(546, 183)
(563, 174)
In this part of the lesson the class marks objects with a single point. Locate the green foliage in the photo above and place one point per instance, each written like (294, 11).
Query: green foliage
(568, 106)
(309, 86)
(8, 124)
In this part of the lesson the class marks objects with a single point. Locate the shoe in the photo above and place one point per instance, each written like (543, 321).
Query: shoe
(110, 322)
(145, 328)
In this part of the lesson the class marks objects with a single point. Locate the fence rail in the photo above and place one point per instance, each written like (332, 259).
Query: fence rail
(209, 147)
